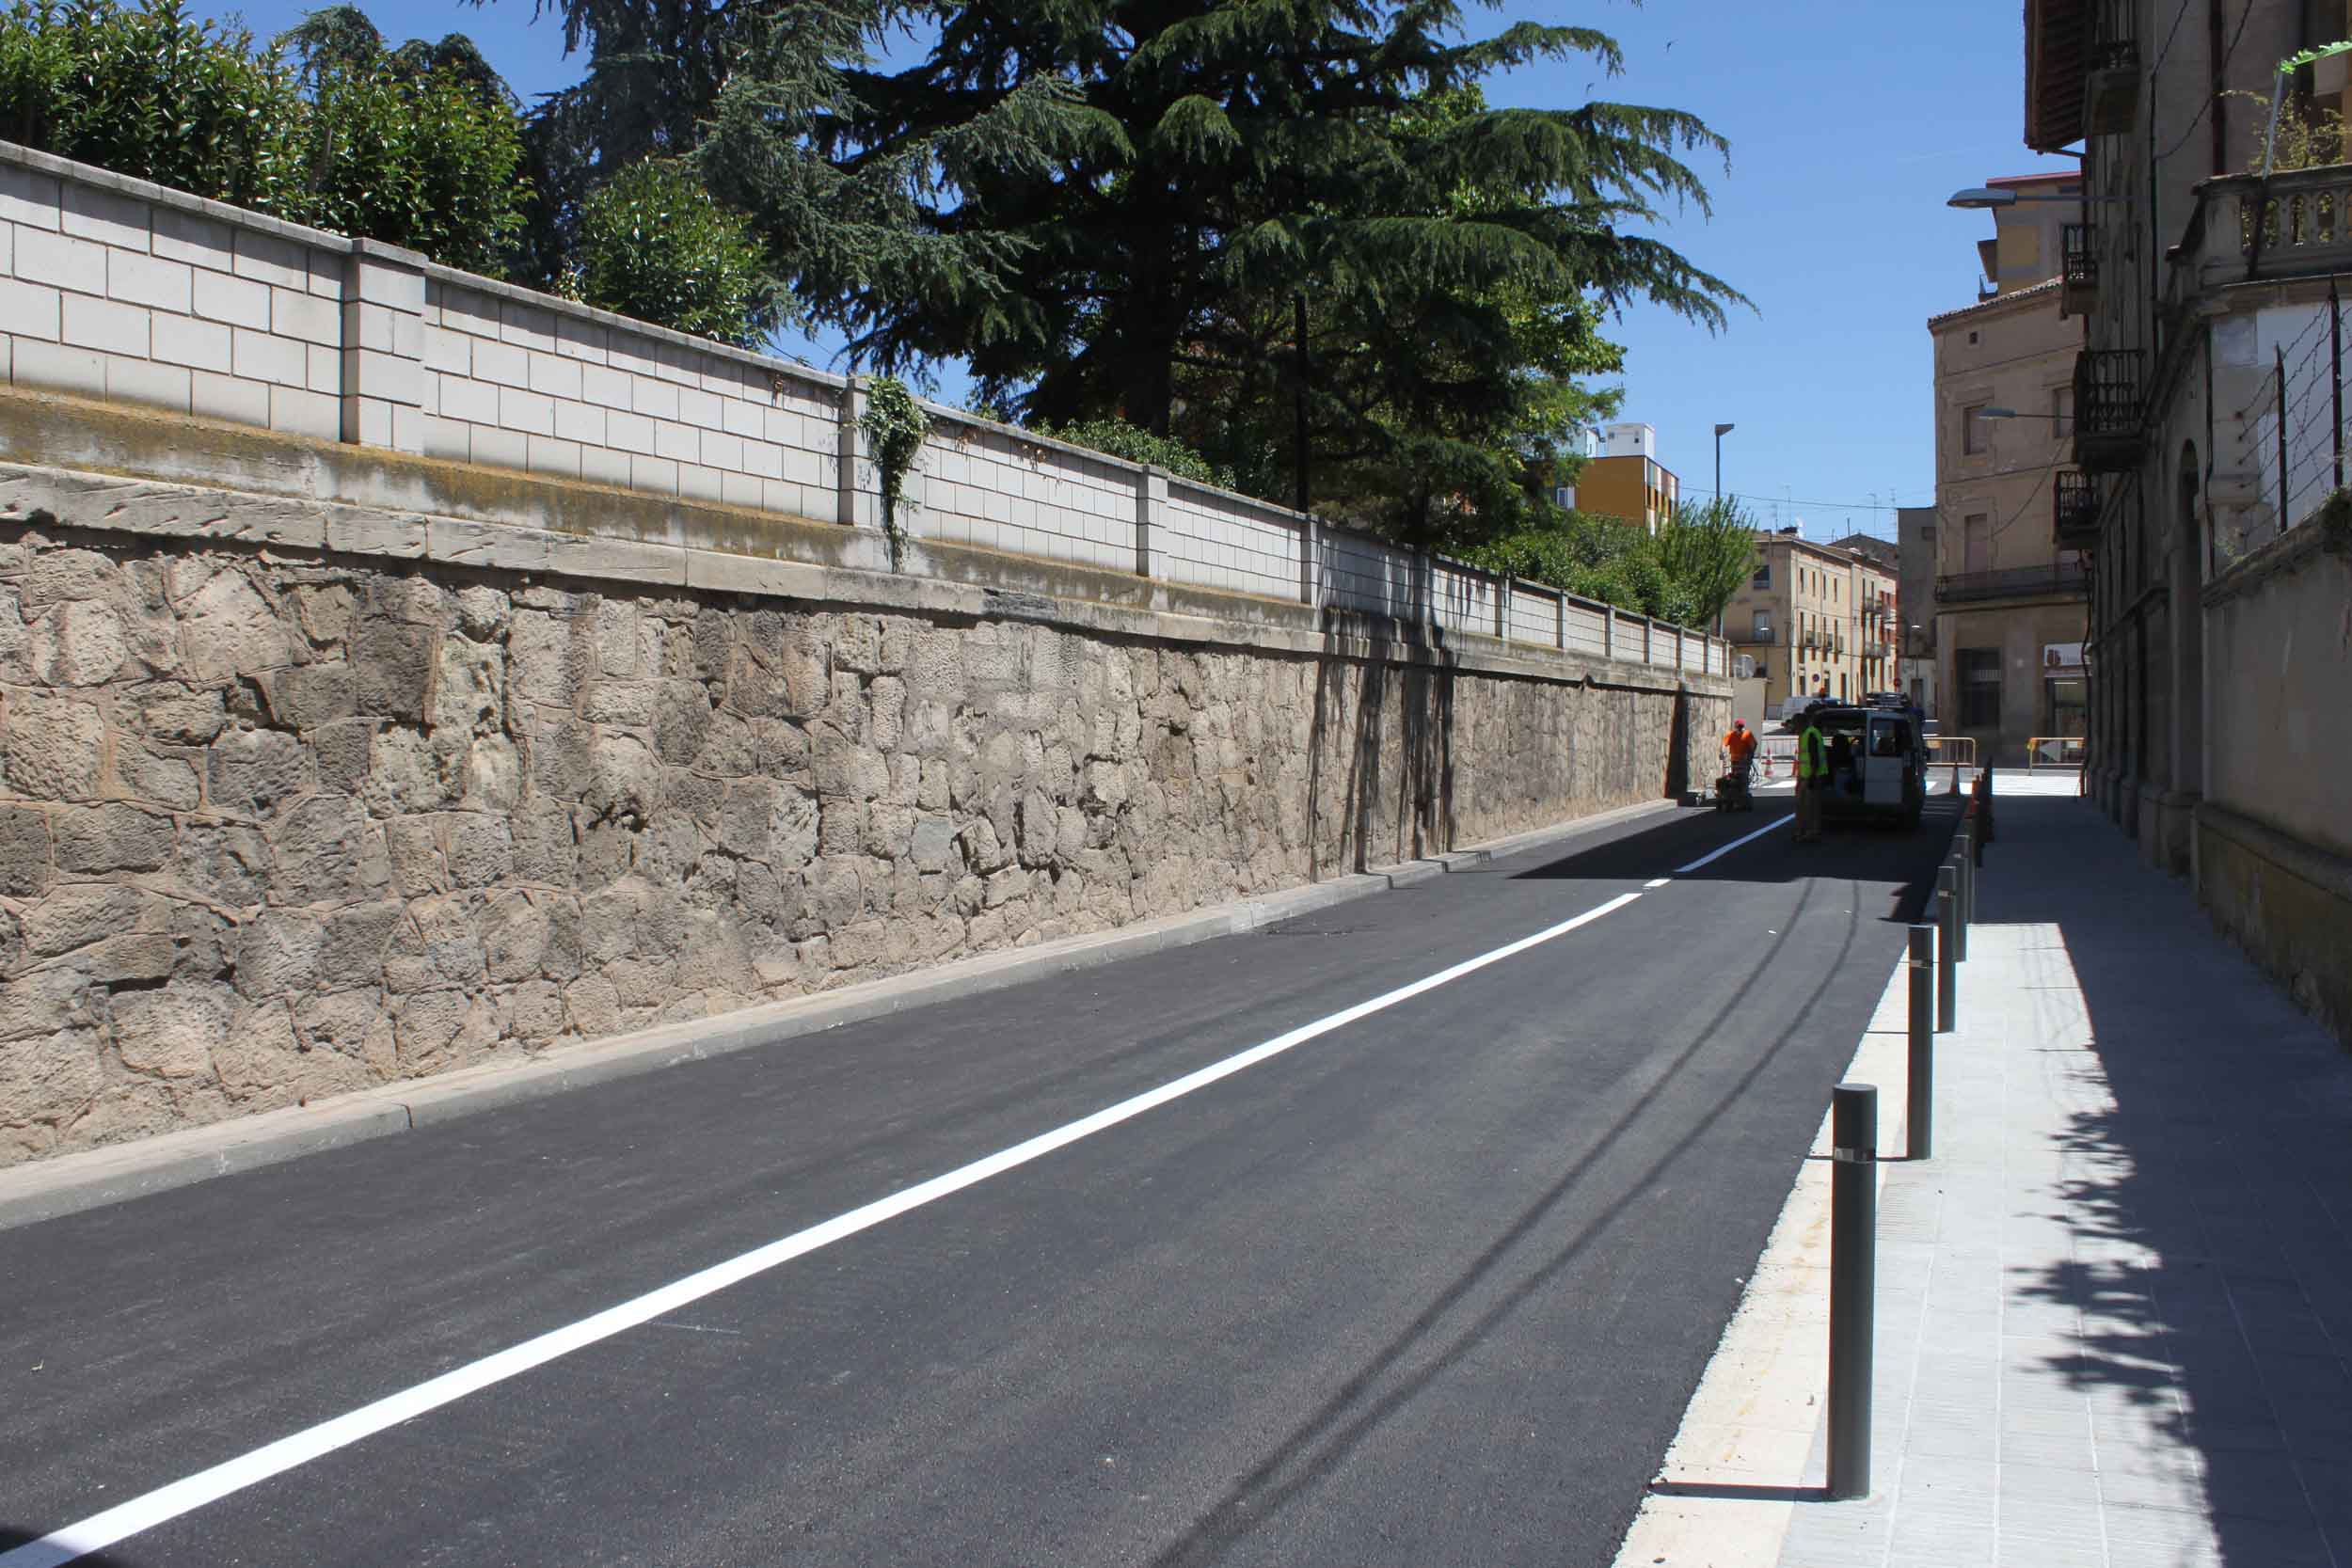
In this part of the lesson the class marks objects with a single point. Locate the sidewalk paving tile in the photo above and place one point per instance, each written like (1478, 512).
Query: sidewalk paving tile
(2115, 1310)
(2132, 1346)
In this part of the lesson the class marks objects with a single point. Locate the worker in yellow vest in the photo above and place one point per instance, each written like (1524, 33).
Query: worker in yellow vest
(1812, 779)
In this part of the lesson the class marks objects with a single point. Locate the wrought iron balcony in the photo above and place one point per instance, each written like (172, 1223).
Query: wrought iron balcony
(2060, 579)
(2111, 75)
(2075, 511)
(2078, 285)
(2107, 405)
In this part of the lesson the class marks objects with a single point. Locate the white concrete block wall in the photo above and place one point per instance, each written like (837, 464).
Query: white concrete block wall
(536, 384)
(119, 290)
(1535, 615)
(994, 488)
(1463, 599)
(106, 294)
(1363, 575)
(1588, 633)
(1215, 539)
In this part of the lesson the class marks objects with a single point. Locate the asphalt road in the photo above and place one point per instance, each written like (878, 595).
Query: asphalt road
(1429, 1287)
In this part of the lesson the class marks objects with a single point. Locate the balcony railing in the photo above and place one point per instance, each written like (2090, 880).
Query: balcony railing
(2078, 285)
(2075, 512)
(2064, 579)
(2296, 224)
(2111, 75)
(2107, 382)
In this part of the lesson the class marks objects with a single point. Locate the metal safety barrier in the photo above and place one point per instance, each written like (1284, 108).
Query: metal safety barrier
(2054, 750)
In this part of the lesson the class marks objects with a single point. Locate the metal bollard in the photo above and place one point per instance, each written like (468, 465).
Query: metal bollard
(1854, 1201)
(1919, 1144)
(1946, 955)
(1964, 863)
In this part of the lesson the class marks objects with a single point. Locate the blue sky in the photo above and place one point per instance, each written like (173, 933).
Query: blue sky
(1849, 122)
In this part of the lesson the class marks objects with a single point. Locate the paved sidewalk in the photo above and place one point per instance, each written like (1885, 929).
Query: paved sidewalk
(2115, 1310)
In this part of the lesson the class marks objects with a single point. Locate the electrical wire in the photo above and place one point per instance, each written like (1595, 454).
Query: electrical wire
(1834, 506)
(2164, 54)
(2222, 70)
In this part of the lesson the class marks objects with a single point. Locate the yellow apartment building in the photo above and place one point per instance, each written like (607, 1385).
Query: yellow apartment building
(1815, 620)
(1626, 480)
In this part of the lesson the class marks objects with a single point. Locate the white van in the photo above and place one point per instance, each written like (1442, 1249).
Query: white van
(1878, 761)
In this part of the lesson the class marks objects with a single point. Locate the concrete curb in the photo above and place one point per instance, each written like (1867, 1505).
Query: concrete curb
(70, 1184)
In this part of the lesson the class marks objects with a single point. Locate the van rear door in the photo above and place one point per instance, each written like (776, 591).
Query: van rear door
(1886, 757)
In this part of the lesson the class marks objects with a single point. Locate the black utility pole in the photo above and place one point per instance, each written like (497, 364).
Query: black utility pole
(1299, 334)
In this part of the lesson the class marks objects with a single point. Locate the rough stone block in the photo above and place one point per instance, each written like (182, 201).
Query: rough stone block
(437, 947)
(625, 778)
(75, 917)
(414, 847)
(353, 1025)
(81, 643)
(143, 773)
(593, 1004)
(481, 850)
(278, 951)
(325, 851)
(515, 935)
(172, 1034)
(111, 838)
(228, 629)
(56, 748)
(341, 749)
(24, 857)
(305, 696)
(252, 773)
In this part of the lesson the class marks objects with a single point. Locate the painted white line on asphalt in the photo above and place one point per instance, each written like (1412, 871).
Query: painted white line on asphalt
(1657, 881)
(1714, 854)
(101, 1530)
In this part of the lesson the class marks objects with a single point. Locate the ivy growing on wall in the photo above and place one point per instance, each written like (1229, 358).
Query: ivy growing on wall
(894, 426)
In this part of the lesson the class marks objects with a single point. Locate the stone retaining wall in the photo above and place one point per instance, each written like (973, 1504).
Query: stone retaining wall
(281, 821)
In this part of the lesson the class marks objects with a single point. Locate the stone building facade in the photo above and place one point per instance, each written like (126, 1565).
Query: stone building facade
(2208, 427)
(2011, 602)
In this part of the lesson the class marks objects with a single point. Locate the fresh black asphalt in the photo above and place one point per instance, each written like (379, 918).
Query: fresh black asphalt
(1431, 1289)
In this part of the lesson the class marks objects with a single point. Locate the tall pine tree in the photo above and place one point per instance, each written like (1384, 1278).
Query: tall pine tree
(1280, 159)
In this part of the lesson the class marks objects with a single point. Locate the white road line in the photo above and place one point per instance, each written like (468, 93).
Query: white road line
(101, 1530)
(1657, 881)
(1681, 870)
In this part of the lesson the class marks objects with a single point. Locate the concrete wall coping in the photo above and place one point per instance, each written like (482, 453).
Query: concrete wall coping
(325, 504)
(219, 212)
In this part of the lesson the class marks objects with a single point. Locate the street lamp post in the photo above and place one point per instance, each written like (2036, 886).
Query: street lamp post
(1980, 199)
(1721, 431)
